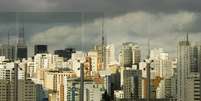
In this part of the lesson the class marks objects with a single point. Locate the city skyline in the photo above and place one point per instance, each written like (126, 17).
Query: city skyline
(100, 50)
(75, 31)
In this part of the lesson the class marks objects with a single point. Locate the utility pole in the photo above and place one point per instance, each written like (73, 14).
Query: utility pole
(148, 67)
(82, 82)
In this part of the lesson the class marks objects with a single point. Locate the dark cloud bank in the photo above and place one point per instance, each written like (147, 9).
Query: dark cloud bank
(58, 23)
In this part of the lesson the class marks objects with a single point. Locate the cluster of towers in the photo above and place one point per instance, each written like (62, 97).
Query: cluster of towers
(16, 51)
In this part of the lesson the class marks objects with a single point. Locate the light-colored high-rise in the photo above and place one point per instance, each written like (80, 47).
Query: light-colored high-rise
(53, 81)
(110, 55)
(187, 78)
(129, 54)
(92, 90)
(47, 61)
(94, 60)
(101, 50)
(13, 84)
(162, 65)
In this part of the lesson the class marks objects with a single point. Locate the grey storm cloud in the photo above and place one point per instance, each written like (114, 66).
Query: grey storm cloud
(101, 5)
(58, 23)
(164, 30)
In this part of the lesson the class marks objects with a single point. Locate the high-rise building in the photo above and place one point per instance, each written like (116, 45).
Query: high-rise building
(94, 60)
(13, 84)
(173, 81)
(47, 61)
(198, 66)
(110, 55)
(112, 83)
(101, 51)
(108, 84)
(81, 82)
(77, 58)
(199, 62)
(87, 67)
(8, 51)
(66, 53)
(164, 89)
(132, 85)
(187, 79)
(162, 65)
(118, 94)
(41, 93)
(129, 54)
(40, 49)
(21, 47)
(183, 56)
(53, 81)
(136, 55)
(92, 91)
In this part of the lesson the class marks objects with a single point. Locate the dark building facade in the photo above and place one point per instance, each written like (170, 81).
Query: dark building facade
(40, 49)
(21, 52)
(132, 83)
(66, 53)
(21, 47)
(8, 51)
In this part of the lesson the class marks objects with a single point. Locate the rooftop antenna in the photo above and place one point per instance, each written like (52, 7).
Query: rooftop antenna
(148, 49)
(16, 24)
(8, 38)
(103, 42)
(102, 33)
(82, 30)
(21, 39)
(187, 37)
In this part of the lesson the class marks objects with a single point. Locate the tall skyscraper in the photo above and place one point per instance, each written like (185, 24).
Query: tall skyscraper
(53, 81)
(199, 63)
(13, 84)
(40, 49)
(112, 83)
(183, 56)
(132, 85)
(21, 47)
(101, 50)
(8, 51)
(162, 64)
(129, 54)
(94, 60)
(92, 91)
(198, 66)
(110, 55)
(187, 79)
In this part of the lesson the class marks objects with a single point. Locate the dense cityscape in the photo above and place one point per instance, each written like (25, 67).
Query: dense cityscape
(100, 50)
(97, 75)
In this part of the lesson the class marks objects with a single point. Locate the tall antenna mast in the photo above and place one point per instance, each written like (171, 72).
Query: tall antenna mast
(82, 30)
(16, 22)
(21, 37)
(8, 38)
(148, 49)
(103, 38)
(103, 43)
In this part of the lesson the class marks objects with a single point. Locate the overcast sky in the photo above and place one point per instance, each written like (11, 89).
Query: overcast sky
(59, 23)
